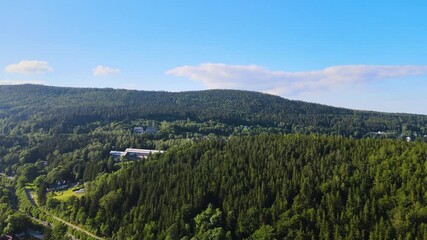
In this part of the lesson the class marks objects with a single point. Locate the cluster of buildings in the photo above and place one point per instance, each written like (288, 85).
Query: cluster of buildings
(58, 186)
(145, 130)
(135, 153)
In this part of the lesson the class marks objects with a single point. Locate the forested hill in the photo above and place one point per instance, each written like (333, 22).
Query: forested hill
(231, 169)
(263, 187)
(65, 108)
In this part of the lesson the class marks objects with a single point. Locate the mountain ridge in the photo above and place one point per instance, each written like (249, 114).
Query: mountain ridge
(46, 105)
(106, 89)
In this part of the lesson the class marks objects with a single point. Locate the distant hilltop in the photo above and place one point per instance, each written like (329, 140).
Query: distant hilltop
(69, 107)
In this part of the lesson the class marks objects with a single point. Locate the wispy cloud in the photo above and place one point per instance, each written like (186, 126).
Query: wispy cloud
(29, 67)
(17, 82)
(257, 78)
(103, 70)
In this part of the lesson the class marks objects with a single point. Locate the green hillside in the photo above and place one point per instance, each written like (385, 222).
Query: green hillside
(239, 165)
(264, 187)
(44, 107)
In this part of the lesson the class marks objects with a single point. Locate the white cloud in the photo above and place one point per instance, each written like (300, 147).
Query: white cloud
(103, 70)
(253, 77)
(29, 67)
(18, 82)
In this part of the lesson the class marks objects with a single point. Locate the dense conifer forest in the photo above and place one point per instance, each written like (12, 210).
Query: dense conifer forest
(264, 187)
(239, 165)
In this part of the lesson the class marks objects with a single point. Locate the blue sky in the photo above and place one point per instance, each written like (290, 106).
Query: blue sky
(366, 55)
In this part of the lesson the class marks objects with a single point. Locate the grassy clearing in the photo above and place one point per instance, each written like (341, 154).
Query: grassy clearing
(35, 198)
(66, 194)
(31, 186)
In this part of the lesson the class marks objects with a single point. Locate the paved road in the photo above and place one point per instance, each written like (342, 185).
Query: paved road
(44, 223)
(28, 192)
(60, 219)
(48, 225)
(75, 227)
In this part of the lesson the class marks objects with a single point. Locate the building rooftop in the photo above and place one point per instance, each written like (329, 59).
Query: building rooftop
(142, 151)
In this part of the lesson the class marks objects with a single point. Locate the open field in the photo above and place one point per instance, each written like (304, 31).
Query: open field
(66, 194)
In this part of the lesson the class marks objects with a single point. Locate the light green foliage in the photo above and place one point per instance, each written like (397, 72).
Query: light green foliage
(265, 232)
(66, 194)
(150, 231)
(59, 232)
(5, 211)
(208, 225)
(111, 201)
(41, 190)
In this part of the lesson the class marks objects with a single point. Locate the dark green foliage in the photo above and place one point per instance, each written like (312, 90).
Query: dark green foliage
(16, 222)
(59, 232)
(6, 204)
(41, 191)
(72, 130)
(222, 177)
(66, 110)
(265, 187)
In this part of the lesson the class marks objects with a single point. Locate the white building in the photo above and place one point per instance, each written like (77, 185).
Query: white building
(140, 153)
(134, 153)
